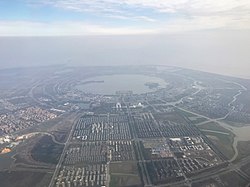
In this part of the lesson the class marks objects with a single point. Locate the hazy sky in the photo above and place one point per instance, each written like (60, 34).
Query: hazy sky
(212, 35)
(94, 17)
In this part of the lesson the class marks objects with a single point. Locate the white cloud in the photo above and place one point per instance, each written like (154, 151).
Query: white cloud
(231, 13)
(179, 6)
(185, 15)
(24, 28)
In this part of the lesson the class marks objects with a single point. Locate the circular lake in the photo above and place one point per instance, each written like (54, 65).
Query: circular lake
(110, 84)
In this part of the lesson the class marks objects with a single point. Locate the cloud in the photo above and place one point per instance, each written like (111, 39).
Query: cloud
(74, 28)
(228, 12)
(167, 6)
(121, 17)
(25, 28)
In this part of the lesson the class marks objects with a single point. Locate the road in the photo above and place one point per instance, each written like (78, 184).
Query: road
(44, 133)
(231, 167)
(141, 161)
(59, 164)
(217, 120)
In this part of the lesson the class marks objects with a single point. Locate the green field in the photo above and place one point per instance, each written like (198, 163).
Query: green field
(234, 124)
(24, 178)
(6, 160)
(46, 150)
(174, 117)
(124, 174)
(220, 137)
(124, 181)
(229, 179)
(184, 113)
(194, 119)
(243, 150)
(213, 127)
(233, 179)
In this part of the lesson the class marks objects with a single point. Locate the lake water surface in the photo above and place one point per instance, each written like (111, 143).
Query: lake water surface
(124, 82)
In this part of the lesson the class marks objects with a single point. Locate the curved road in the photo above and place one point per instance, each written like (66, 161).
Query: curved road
(45, 133)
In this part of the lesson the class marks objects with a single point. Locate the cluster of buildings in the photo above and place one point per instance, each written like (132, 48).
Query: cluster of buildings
(86, 152)
(10, 142)
(7, 105)
(209, 102)
(102, 128)
(88, 175)
(36, 114)
(171, 159)
(23, 118)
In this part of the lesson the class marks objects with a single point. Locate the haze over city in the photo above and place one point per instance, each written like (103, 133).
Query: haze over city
(124, 93)
(209, 35)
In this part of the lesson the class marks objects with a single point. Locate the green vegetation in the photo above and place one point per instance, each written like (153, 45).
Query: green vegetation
(213, 127)
(184, 113)
(243, 150)
(46, 150)
(124, 174)
(206, 183)
(6, 160)
(234, 124)
(124, 167)
(220, 137)
(196, 120)
(229, 179)
(62, 122)
(173, 117)
(233, 179)
(245, 98)
(222, 142)
(24, 178)
(246, 168)
(124, 181)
